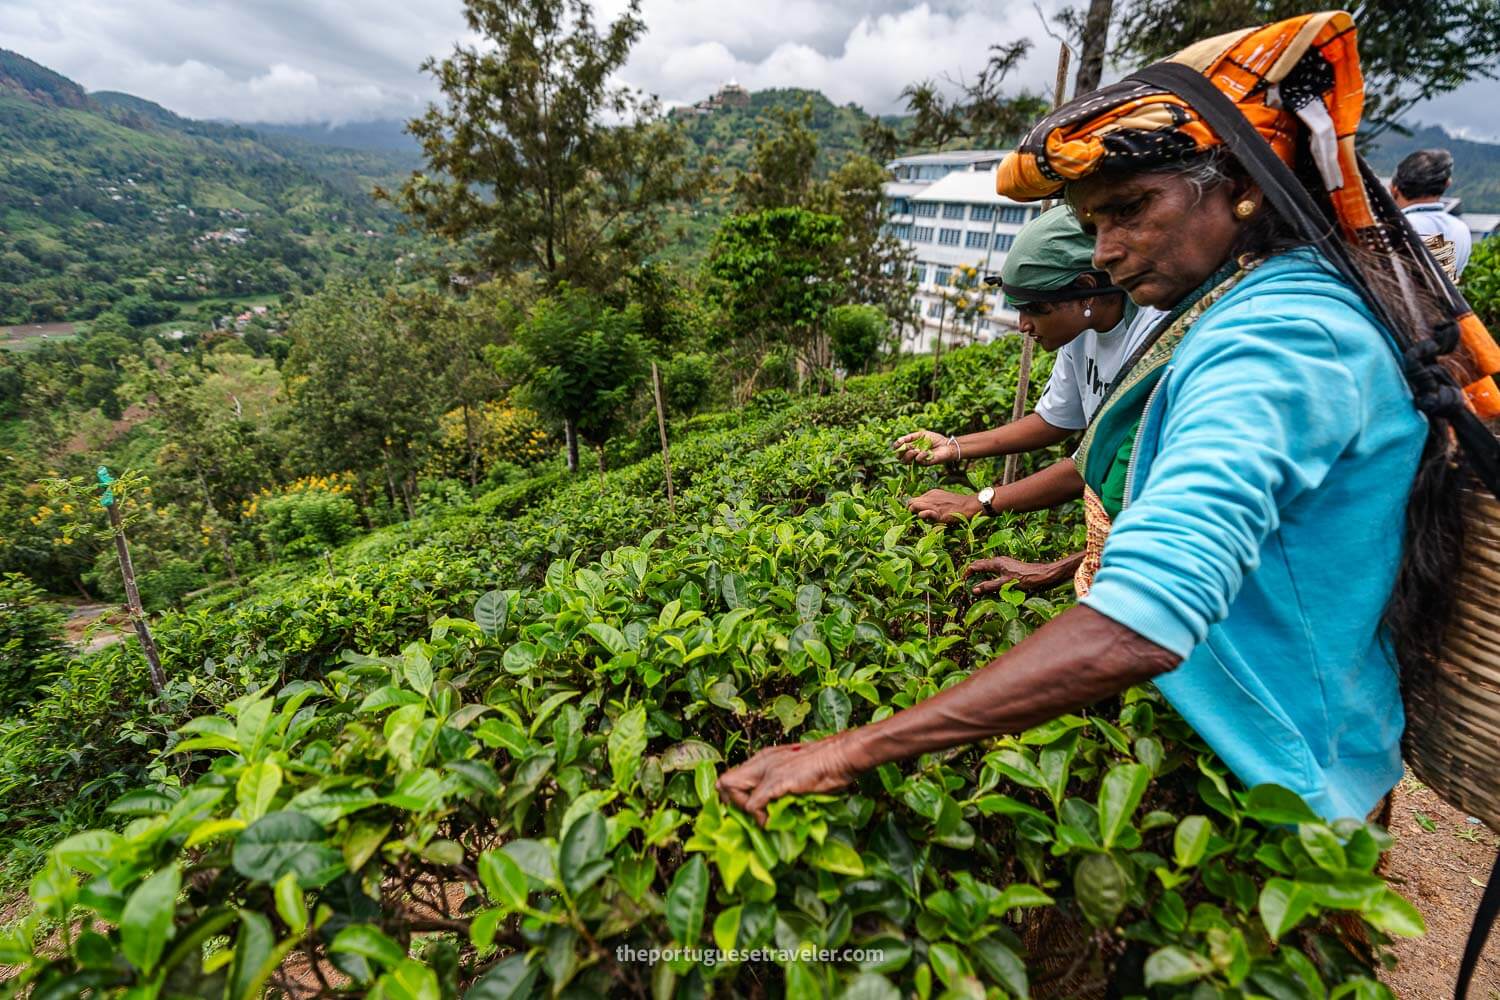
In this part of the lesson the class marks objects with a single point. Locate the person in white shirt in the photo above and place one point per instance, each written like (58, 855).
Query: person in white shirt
(1073, 309)
(1418, 188)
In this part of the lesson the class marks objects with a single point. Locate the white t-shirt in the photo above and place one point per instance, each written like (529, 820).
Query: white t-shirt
(1086, 366)
(1429, 219)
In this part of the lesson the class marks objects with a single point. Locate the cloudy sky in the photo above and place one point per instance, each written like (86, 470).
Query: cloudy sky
(350, 60)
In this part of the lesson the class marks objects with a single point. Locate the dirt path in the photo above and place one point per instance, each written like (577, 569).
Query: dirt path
(1440, 862)
(81, 616)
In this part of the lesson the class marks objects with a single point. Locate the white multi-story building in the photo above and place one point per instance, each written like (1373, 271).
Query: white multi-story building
(944, 206)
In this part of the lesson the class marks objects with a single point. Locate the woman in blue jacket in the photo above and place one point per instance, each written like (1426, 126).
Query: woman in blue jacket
(1249, 476)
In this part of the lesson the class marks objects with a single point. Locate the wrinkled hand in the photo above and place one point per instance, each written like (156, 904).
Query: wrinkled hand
(943, 507)
(791, 769)
(924, 448)
(1029, 577)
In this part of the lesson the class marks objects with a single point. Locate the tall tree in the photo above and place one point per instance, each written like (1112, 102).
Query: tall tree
(536, 159)
(580, 362)
(1409, 52)
(980, 114)
(775, 273)
(361, 389)
(1091, 30)
(783, 161)
(878, 264)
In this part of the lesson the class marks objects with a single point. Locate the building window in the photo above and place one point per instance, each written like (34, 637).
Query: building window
(1003, 241)
(925, 209)
(1014, 213)
(899, 206)
(953, 211)
(977, 239)
(982, 213)
(922, 234)
(948, 237)
(918, 273)
(902, 230)
(942, 275)
(935, 309)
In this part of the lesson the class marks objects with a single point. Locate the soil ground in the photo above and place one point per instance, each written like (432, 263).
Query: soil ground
(1441, 862)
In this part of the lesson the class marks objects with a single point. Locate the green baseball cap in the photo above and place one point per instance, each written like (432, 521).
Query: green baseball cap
(1049, 254)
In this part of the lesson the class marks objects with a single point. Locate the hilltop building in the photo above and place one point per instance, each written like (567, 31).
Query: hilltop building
(731, 95)
(944, 207)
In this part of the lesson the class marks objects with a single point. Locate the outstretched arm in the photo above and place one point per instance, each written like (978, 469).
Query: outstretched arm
(1027, 434)
(1077, 659)
(1056, 484)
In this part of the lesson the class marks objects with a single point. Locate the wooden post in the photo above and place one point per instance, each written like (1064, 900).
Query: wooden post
(133, 600)
(661, 430)
(1023, 375)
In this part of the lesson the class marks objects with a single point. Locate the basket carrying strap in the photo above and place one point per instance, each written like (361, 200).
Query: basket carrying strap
(1437, 394)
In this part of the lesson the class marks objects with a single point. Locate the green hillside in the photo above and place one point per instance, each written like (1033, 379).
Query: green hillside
(106, 196)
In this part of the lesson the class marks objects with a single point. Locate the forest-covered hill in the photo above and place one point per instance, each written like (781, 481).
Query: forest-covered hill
(104, 196)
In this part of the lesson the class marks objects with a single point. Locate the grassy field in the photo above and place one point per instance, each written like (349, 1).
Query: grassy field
(30, 336)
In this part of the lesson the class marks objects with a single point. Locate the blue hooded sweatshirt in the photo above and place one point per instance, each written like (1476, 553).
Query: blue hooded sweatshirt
(1262, 531)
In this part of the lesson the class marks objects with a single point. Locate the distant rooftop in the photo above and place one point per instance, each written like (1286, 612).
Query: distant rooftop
(957, 157)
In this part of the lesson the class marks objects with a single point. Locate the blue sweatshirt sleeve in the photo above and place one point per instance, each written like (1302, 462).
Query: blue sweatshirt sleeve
(1259, 407)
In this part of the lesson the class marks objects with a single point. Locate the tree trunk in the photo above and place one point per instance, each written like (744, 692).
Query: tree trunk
(1095, 42)
(228, 554)
(133, 602)
(570, 433)
(599, 453)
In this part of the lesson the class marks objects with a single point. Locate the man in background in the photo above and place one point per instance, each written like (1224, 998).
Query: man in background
(1418, 187)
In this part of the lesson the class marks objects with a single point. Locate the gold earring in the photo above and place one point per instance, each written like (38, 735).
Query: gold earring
(1244, 209)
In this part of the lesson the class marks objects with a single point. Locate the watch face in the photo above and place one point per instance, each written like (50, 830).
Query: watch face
(986, 494)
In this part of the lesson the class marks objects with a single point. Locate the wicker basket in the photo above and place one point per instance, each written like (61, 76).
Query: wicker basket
(1453, 711)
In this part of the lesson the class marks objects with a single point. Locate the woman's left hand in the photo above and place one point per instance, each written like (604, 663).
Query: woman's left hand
(792, 769)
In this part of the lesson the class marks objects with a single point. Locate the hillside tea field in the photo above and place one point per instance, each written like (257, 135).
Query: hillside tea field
(477, 759)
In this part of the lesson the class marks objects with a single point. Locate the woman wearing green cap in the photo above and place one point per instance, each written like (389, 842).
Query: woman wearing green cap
(1071, 308)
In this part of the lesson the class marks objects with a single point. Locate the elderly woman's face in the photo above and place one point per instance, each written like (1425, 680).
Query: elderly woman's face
(1155, 234)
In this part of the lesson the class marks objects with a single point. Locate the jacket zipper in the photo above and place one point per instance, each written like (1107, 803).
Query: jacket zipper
(1135, 448)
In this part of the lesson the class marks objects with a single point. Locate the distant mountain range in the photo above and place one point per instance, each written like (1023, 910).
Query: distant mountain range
(106, 195)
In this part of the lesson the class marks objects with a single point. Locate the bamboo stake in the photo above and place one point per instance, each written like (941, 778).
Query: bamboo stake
(661, 429)
(1023, 376)
(132, 594)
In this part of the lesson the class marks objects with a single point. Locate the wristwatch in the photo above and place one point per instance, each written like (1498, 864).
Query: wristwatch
(985, 496)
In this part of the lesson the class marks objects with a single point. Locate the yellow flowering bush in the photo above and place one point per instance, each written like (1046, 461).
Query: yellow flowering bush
(502, 433)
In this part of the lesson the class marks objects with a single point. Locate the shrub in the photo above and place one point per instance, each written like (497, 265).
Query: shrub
(521, 800)
(855, 333)
(305, 518)
(1481, 281)
(687, 382)
(31, 643)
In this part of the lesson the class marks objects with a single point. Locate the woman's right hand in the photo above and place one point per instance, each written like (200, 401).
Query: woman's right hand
(1028, 577)
(924, 448)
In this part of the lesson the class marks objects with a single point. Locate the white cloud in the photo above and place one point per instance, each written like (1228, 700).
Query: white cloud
(343, 60)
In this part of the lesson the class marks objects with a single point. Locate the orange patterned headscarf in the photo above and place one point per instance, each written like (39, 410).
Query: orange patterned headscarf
(1295, 81)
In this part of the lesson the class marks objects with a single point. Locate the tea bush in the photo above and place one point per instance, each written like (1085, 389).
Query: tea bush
(520, 801)
(31, 644)
(478, 760)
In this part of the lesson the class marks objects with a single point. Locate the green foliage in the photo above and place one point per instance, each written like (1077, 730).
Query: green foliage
(581, 362)
(305, 523)
(1481, 281)
(856, 334)
(775, 276)
(1408, 53)
(783, 154)
(564, 193)
(687, 381)
(31, 645)
(109, 198)
(487, 761)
